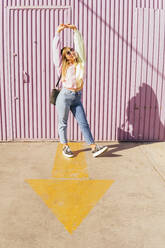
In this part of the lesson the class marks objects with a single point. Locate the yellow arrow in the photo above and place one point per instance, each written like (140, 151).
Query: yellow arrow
(70, 200)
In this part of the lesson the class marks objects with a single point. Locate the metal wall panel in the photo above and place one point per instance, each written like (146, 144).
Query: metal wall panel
(4, 87)
(31, 33)
(148, 113)
(124, 82)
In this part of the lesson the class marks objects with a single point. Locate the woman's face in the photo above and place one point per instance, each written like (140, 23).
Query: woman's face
(70, 55)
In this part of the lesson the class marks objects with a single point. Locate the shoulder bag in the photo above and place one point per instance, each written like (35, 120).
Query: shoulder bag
(54, 93)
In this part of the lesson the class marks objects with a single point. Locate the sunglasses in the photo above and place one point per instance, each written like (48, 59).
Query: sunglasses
(70, 51)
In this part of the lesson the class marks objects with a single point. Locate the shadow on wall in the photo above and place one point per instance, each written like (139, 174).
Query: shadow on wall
(143, 122)
(143, 118)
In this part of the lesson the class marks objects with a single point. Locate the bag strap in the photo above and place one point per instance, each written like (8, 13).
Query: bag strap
(58, 81)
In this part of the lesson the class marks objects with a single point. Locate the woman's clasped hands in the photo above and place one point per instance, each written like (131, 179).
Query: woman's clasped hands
(63, 26)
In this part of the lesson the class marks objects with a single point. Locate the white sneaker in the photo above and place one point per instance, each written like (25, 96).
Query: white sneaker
(99, 150)
(67, 152)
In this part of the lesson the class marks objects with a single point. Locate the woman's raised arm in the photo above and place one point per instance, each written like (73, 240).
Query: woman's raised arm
(56, 47)
(78, 42)
(79, 45)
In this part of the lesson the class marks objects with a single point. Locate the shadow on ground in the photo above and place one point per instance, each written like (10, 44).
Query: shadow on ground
(113, 148)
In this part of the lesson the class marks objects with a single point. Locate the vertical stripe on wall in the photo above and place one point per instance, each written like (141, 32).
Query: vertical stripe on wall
(123, 94)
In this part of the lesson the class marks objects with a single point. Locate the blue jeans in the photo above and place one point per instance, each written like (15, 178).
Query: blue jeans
(70, 100)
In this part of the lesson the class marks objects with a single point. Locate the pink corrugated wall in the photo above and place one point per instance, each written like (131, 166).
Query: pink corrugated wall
(123, 94)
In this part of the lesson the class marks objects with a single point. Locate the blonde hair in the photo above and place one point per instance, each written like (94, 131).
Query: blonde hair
(66, 62)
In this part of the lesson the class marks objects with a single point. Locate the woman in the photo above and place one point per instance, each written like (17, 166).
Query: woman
(70, 64)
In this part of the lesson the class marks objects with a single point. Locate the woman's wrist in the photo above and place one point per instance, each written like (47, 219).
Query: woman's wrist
(61, 27)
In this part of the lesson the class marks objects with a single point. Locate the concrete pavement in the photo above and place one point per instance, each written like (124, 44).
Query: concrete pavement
(130, 214)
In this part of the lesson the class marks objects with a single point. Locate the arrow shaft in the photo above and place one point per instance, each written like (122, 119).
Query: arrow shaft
(75, 167)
